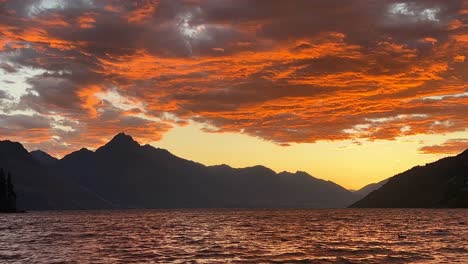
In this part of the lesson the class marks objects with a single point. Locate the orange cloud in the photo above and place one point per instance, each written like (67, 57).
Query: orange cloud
(86, 20)
(459, 58)
(144, 10)
(89, 99)
(452, 146)
(299, 76)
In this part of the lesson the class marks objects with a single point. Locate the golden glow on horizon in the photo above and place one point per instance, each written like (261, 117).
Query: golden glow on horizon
(351, 165)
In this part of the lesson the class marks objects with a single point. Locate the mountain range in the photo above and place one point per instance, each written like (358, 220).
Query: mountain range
(124, 174)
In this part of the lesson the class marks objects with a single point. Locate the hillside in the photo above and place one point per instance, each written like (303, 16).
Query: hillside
(443, 183)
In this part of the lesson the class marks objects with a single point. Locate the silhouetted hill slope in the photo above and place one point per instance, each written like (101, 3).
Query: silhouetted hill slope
(130, 175)
(43, 157)
(37, 189)
(443, 183)
(370, 188)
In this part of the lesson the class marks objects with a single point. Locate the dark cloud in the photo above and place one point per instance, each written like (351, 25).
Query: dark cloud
(7, 68)
(23, 122)
(5, 95)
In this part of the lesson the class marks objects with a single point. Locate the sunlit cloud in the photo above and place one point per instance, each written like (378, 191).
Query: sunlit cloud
(450, 147)
(41, 6)
(414, 12)
(287, 74)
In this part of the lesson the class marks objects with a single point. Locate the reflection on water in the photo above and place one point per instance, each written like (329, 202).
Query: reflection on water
(252, 236)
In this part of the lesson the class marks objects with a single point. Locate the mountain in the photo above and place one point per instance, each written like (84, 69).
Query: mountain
(39, 189)
(370, 188)
(133, 176)
(440, 184)
(43, 157)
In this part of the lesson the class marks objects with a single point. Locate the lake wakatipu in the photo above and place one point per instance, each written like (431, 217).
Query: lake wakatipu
(238, 236)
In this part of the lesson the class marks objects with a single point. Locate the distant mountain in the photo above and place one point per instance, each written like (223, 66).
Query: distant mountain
(370, 188)
(39, 189)
(443, 183)
(43, 158)
(133, 176)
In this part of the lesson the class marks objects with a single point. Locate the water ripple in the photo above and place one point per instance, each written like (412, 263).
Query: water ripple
(236, 236)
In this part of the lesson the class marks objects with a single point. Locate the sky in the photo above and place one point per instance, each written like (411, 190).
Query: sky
(349, 91)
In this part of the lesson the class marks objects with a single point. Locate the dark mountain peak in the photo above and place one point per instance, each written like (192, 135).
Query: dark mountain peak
(122, 138)
(303, 173)
(297, 173)
(43, 157)
(42, 153)
(39, 152)
(258, 170)
(79, 154)
(120, 141)
(12, 148)
(11, 144)
(286, 174)
(84, 150)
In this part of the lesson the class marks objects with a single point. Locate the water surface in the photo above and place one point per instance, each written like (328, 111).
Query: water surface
(239, 236)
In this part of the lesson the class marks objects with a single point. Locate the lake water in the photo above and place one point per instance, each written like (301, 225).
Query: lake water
(239, 236)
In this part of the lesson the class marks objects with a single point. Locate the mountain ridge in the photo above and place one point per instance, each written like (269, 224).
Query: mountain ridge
(39, 189)
(439, 184)
(129, 175)
(43, 157)
(196, 185)
(124, 174)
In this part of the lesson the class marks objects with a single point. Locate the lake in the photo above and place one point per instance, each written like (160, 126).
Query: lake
(239, 236)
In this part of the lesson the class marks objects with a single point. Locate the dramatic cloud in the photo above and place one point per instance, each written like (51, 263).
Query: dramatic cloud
(453, 146)
(4, 95)
(285, 71)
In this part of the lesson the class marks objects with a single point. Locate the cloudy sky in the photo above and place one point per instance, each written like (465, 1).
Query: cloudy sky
(351, 91)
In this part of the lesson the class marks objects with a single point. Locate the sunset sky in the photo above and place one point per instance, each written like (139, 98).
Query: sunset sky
(349, 91)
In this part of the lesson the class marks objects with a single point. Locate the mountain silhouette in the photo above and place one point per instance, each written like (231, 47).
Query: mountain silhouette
(133, 176)
(125, 174)
(39, 189)
(370, 188)
(440, 184)
(120, 142)
(43, 157)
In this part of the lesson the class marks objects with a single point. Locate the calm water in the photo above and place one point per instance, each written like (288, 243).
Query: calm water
(252, 236)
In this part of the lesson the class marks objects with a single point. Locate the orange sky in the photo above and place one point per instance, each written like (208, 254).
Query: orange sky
(292, 78)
